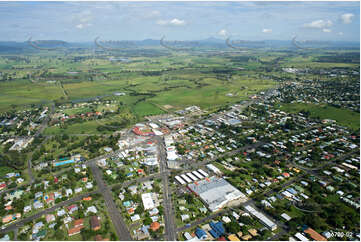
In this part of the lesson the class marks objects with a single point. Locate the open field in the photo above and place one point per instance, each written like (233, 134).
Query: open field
(152, 77)
(87, 127)
(342, 116)
(23, 92)
(146, 109)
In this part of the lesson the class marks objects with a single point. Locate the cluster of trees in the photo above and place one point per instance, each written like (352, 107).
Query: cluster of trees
(13, 159)
(114, 126)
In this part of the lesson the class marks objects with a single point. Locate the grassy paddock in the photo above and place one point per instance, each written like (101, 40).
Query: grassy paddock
(344, 117)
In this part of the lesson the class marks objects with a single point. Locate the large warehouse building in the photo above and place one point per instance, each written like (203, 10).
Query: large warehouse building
(215, 192)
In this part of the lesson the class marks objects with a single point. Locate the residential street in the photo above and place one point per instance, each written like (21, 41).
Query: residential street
(21, 222)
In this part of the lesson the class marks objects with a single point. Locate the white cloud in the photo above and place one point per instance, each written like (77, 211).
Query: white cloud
(223, 33)
(266, 30)
(79, 26)
(340, 33)
(173, 22)
(82, 26)
(84, 16)
(82, 19)
(151, 15)
(327, 30)
(177, 22)
(154, 13)
(347, 18)
(162, 22)
(319, 24)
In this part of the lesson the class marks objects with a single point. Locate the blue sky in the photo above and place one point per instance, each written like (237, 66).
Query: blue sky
(83, 21)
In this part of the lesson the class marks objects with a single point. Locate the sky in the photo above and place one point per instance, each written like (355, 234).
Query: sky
(84, 21)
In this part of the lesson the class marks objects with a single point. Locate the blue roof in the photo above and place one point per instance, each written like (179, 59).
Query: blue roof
(291, 190)
(145, 229)
(304, 227)
(5, 238)
(218, 228)
(126, 203)
(200, 233)
(214, 234)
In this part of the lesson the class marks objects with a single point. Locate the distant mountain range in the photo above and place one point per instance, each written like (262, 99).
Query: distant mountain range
(19, 47)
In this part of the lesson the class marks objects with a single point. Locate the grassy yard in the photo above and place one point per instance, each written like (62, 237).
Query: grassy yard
(4, 170)
(342, 116)
(87, 127)
(144, 109)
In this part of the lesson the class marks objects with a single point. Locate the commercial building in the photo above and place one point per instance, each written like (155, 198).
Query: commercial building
(149, 201)
(180, 180)
(264, 220)
(214, 169)
(203, 173)
(196, 173)
(188, 180)
(191, 176)
(215, 192)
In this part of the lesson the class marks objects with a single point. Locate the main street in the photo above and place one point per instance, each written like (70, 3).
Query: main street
(170, 228)
(117, 220)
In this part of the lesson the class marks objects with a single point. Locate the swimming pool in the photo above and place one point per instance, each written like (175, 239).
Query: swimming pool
(63, 162)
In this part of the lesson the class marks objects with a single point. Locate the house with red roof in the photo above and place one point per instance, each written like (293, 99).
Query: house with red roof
(2, 185)
(74, 231)
(94, 223)
(285, 174)
(50, 198)
(78, 223)
(314, 235)
(72, 208)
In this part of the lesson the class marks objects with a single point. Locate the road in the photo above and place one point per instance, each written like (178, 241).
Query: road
(117, 220)
(280, 224)
(43, 125)
(16, 231)
(22, 222)
(30, 168)
(195, 164)
(140, 179)
(198, 222)
(170, 228)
